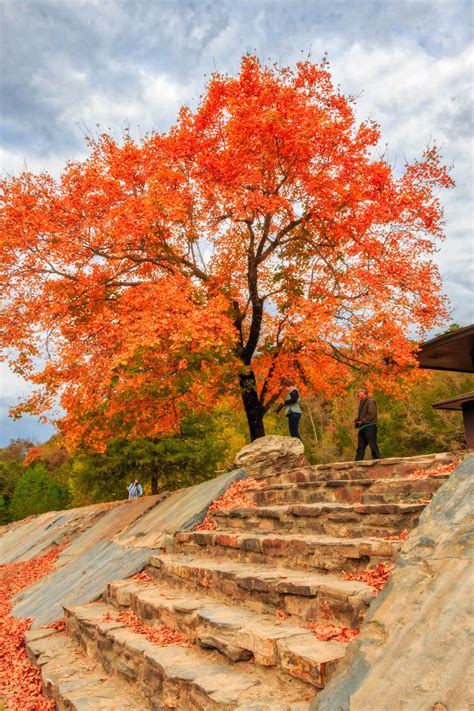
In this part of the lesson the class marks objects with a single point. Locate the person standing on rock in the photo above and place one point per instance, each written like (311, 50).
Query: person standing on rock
(135, 490)
(366, 423)
(293, 407)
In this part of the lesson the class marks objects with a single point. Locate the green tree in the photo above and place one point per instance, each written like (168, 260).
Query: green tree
(11, 472)
(167, 463)
(37, 492)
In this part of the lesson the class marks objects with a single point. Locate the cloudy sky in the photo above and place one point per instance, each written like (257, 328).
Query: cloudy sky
(72, 64)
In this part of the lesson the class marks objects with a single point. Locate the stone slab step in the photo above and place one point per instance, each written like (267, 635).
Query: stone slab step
(308, 596)
(238, 633)
(171, 676)
(350, 491)
(390, 468)
(320, 552)
(330, 518)
(73, 681)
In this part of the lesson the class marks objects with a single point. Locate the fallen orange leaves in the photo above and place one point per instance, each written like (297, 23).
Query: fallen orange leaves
(331, 632)
(206, 525)
(427, 473)
(58, 625)
(144, 576)
(20, 681)
(377, 578)
(282, 616)
(233, 498)
(401, 536)
(161, 634)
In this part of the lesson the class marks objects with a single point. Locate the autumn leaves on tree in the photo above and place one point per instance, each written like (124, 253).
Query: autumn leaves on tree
(262, 235)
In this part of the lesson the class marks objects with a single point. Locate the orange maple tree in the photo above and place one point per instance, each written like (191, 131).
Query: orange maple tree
(261, 235)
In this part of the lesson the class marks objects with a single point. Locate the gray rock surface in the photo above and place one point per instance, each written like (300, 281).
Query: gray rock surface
(266, 456)
(181, 511)
(116, 546)
(80, 580)
(414, 652)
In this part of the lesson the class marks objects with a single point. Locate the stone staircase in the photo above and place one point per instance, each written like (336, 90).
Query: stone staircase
(238, 600)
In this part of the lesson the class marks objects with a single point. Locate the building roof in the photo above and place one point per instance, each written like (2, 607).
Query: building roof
(455, 403)
(452, 351)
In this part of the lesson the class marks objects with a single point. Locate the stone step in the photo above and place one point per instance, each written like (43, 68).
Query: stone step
(238, 633)
(175, 676)
(307, 596)
(330, 518)
(73, 681)
(323, 553)
(390, 468)
(350, 491)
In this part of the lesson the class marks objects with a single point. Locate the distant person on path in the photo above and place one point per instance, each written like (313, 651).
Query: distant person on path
(135, 490)
(293, 407)
(366, 423)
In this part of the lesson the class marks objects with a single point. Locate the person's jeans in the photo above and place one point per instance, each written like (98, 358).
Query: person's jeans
(293, 424)
(367, 436)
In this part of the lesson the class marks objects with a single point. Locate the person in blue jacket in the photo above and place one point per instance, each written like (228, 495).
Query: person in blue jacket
(135, 490)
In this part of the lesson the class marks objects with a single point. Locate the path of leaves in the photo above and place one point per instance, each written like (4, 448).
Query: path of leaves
(20, 681)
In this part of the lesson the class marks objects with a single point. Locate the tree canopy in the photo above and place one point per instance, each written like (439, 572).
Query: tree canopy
(261, 236)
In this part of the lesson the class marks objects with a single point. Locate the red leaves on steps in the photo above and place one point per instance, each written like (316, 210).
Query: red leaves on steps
(58, 625)
(401, 536)
(234, 497)
(426, 473)
(206, 525)
(333, 633)
(160, 634)
(377, 578)
(144, 576)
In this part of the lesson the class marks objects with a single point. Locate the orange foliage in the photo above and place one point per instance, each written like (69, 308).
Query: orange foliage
(34, 454)
(20, 681)
(261, 236)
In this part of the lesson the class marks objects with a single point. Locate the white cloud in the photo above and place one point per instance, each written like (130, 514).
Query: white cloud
(13, 162)
(11, 385)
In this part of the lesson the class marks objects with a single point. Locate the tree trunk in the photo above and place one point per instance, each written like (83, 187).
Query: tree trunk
(253, 409)
(154, 484)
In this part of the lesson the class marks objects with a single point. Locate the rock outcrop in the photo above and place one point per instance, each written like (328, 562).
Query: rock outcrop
(270, 455)
(415, 646)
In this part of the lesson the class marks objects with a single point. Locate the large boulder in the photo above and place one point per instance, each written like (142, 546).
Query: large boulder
(415, 646)
(270, 455)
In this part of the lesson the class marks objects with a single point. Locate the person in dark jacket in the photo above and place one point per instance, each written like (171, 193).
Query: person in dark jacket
(292, 407)
(366, 423)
